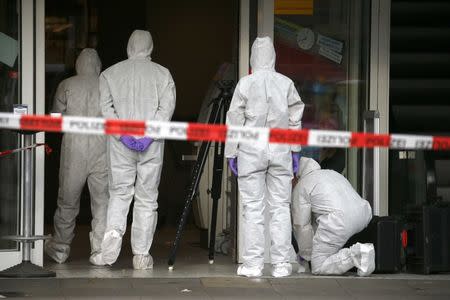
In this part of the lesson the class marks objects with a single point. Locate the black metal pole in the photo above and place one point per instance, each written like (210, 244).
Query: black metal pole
(216, 190)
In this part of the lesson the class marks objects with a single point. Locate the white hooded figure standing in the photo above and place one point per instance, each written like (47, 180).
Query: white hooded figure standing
(135, 89)
(326, 212)
(265, 171)
(83, 159)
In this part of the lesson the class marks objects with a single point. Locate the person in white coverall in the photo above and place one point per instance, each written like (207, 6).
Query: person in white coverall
(135, 89)
(83, 159)
(265, 171)
(326, 212)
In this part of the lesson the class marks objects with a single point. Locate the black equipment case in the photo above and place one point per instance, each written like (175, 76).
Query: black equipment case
(429, 240)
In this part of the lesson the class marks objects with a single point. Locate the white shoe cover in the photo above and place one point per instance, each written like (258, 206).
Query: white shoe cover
(364, 258)
(143, 262)
(111, 245)
(249, 271)
(58, 252)
(282, 270)
(97, 259)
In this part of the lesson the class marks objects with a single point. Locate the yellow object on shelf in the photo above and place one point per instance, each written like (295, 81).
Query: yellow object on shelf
(294, 7)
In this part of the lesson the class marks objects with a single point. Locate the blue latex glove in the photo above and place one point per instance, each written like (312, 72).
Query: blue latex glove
(232, 163)
(295, 162)
(143, 143)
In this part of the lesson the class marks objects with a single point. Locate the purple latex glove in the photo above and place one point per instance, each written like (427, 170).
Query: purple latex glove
(143, 143)
(139, 145)
(300, 259)
(295, 162)
(129, 142)
(232, 163)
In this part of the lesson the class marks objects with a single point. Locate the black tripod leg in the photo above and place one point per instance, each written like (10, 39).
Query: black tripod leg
(294, 242)
(216, 192)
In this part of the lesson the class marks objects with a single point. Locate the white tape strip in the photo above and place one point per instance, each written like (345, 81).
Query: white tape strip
(259, 136)
(8, 120)
(327, 138)
(166, 130)
(83, 125)
(402, 141)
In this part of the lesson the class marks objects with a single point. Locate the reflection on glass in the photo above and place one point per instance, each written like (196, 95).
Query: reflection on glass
(9, 85)
(319, 45)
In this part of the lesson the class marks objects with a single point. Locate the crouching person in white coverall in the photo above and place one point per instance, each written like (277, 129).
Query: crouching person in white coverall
(83, 159)
(325, 200)
(135, 89)
(265, 171)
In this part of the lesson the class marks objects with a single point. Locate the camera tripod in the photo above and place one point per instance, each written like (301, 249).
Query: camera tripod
(217, 116)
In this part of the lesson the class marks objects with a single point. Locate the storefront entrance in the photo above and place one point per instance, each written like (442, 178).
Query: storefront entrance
(322, 45)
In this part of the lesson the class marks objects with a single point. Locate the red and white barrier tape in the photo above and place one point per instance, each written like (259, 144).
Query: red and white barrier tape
(202, 132)
(48, 150)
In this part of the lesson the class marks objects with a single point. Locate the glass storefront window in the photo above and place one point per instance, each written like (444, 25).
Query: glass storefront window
(9, 89)
(322, 45)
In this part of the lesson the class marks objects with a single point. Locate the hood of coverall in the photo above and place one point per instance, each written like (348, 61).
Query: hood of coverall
(263, 55)
(307, 165)
(88, 63)
(140, 44)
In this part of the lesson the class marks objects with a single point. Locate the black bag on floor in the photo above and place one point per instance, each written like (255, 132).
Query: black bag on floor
(386, 234)
(429, 240)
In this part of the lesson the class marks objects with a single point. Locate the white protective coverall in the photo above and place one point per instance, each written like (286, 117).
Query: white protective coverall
(265, 99)
(327, 198)
(83, 158)
(135, 89)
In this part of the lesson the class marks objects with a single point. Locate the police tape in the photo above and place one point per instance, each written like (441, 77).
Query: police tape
(221, 133)
(47, 148)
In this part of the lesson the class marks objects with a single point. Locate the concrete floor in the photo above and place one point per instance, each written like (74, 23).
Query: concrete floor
(194, 278)
(225, 288)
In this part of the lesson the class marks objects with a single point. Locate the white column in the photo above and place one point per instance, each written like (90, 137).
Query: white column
(265, 18)
(37, 252)
(244, 38)
(379, 93)
(244, 59)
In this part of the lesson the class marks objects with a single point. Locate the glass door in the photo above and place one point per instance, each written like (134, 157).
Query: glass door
(9, 165)
(21, 21)
(323, 46)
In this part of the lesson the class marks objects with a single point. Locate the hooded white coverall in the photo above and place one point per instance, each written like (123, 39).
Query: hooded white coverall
(265, 99)
(83, 158)
(324, 198)
(135, 89)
